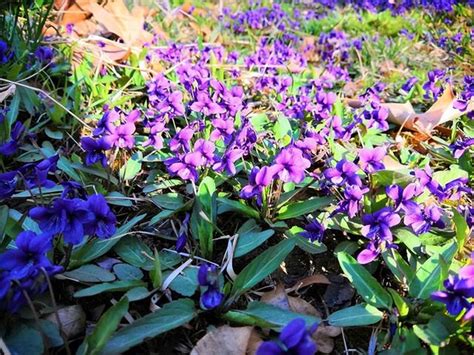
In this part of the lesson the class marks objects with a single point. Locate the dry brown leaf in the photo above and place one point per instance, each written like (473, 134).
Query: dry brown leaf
(73, 320)
(299, 305)
(279, 298)
(254, 342)
(404, 115)
(224, 340)
(276, 297)
(310, 280)
(323, 337)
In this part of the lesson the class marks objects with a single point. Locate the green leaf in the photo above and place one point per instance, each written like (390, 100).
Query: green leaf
(385, 178)
(398, 266)
(127, 272)
(95, 248)
(262, 266)
(132, 250)
(171, 316)
(400, 302)
(259, 121)
(106, 327)
(3, 221)
(170, 201)
(132, 167)
(367, 286)
(301, 208)
(461, 226)
(409, 239)
(268, 316)
(156, 274)
(438, 330)
(282, 128)
(186, 283)
(428, 276)
(361, 314)
(251, 240)
(137, 293)
(224, 204)
(406, 342)
(204, 215)
(90, 273)
(118, 199)
(116, 286)
(24, 340)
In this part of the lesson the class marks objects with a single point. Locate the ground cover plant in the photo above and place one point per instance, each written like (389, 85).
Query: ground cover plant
(227, 178)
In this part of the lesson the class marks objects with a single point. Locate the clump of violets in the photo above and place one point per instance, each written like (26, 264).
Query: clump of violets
(74, 216)
(295, 338)
(459, 292)
(377, 228)
(208, 277)
(23, 270)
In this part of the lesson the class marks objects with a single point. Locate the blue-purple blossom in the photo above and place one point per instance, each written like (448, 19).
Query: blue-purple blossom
(290, 165)
(64, 216)
(459, 289)
(294, 338)
(36, 174)
(370, 160)
(22, 269)
(183, 234)
(206, 106)
(103, 222)
(422, 219)
(121, 136)
(258, 180)
(377, 228)
(403, 197)
(208, 277)
(8, 182)
(460, 146)
(344, 172)
(313, 231)
(410, 83)
(5, 53)
(11, 146)
(95, 150)
(353, 200)
(44, 54)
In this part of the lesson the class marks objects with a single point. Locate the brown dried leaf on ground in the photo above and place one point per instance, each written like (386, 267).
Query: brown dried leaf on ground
(73, 320)
(404, 115)
(279, 298)
(117, 19)
(324, 338)
(225, 340)
(310, 280)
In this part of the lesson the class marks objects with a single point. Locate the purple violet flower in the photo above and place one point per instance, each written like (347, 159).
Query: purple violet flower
(208, 277)
(422, 219)
(460, 146)
(122, 136)
(294, 338)
(344, 172)
(65, 216)
(104, 221)
(95, 150)
(458, 290)
(206, 106)
(258, 180)
(8, 182)
(313, 231)
(290, 165)
(370, 160)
